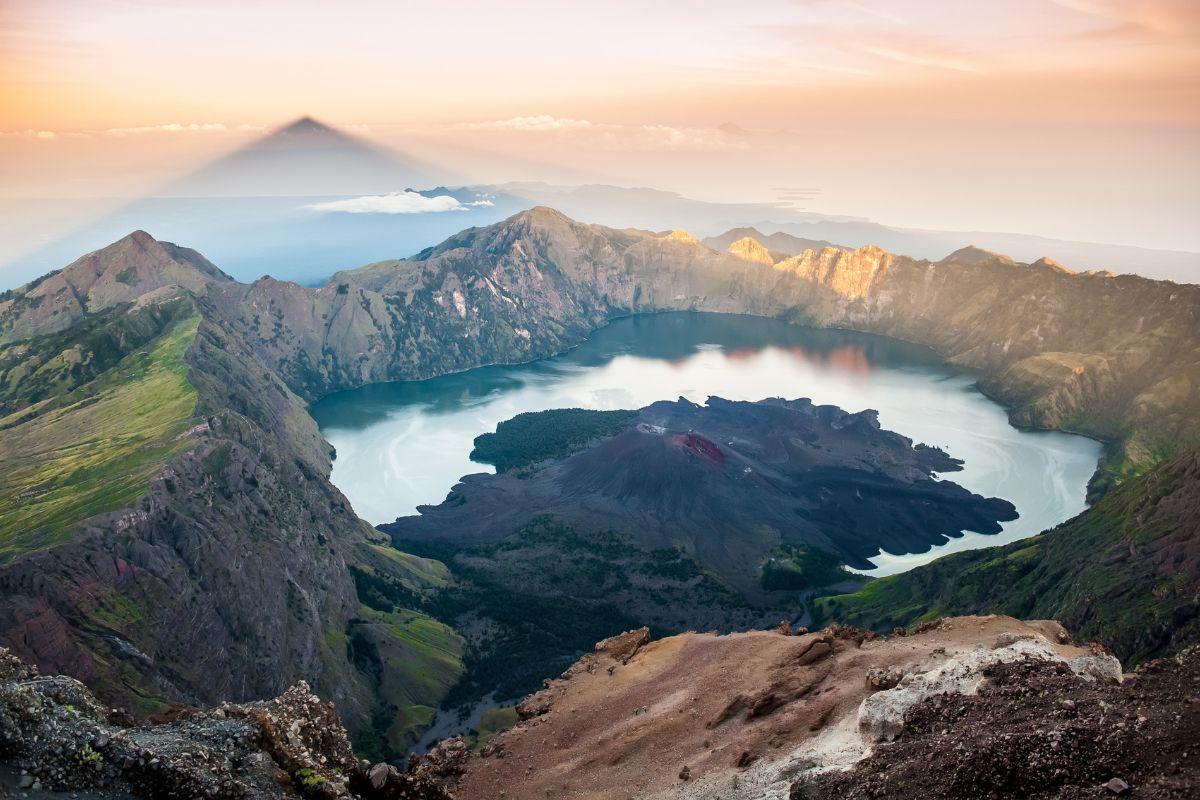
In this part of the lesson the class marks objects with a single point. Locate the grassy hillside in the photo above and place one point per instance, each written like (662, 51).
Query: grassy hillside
(125, 373)
(414, 660)
(413, 572)
(532, 603)
(1125, 572)
(93, 448)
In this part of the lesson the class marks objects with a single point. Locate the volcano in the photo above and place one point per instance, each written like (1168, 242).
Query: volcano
(250, 209)
(727, 482)
(306, 158)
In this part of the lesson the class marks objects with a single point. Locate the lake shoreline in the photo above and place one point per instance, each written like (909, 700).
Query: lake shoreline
(673, 340)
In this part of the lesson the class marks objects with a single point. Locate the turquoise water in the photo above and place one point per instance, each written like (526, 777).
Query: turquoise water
(400, 445)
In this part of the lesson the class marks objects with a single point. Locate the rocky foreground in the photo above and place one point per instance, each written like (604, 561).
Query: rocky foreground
(965, 707)
(57, 739)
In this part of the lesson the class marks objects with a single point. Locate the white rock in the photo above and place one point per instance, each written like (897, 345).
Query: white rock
(881, 715)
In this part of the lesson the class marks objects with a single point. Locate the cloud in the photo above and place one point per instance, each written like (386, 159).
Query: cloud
(878, 13)
(667, 137)
(540, 122)
(173, 127)
(170, 127)
(651, 136)
(1086, 7)
(858, 9)
(30, 133)
(406, 202)
(1146, 20)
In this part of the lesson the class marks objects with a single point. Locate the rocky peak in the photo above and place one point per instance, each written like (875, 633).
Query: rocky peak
(871, 251)
(681, 236)
(270, 283)
(1035, 729)
(748, 232)
(121, 272)
(1045, 262)
(749, 249)
(140, 238)
(136, 247)
(542, 215)
(849, 273)
(975, 255)
(546, 222)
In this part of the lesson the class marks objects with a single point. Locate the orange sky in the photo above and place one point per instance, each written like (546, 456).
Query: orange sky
(1070, 118)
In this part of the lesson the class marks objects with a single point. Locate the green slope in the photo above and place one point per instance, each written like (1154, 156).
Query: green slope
(91, 444)
(414, 660)
(1126, 572)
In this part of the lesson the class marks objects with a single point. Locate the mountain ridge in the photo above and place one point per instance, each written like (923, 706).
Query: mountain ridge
(233, 512)
(1053, 366)
(120, 272)
(157, 474)
(780, 242)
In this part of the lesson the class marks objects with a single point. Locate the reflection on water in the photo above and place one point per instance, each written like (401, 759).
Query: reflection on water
(400, 445)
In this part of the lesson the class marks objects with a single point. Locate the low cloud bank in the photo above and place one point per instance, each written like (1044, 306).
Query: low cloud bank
(406, 202)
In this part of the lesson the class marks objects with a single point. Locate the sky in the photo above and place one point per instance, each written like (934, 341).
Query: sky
(1075, 119)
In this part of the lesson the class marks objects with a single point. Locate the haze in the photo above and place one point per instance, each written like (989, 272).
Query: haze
(1075, 119)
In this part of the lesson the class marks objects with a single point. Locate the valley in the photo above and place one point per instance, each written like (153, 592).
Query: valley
(796, 400)
(243, 505)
